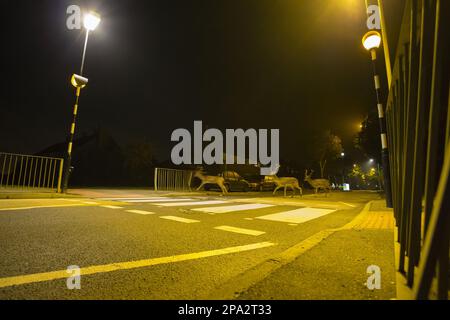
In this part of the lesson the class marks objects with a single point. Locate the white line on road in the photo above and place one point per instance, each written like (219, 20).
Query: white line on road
(39, 207)
(139, 198)
(297, 215)
(179, 219)
(157, 200)
(240, 230)
(112, 207)
(239, 207)
(347, 204)
(193, 203)
(62, 274)
(140, 211)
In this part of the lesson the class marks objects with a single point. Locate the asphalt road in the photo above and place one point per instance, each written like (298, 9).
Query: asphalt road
(134, 244)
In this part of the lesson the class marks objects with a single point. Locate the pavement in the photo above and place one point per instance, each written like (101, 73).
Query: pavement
(141, 244)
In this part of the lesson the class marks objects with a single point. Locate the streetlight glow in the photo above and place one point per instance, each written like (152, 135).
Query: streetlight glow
(91, 20)
(371, 40)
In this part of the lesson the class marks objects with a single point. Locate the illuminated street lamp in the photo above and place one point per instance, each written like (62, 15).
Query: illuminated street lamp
(90, 22)
(371, 42)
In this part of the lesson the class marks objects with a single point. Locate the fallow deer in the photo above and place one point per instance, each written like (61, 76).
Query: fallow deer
(210, 180)
(286, 182)
(317, 184)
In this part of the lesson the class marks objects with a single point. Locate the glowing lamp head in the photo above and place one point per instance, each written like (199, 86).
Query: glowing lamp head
(371, 40)
(91, 20)
(78, 81)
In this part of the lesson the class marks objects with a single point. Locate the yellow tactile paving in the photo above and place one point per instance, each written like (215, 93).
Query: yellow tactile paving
(376, 220)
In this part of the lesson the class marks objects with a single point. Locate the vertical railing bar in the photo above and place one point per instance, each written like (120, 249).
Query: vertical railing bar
(20, 171)
(25, 172)
(40, 173)
(9, 170)
(3, 170)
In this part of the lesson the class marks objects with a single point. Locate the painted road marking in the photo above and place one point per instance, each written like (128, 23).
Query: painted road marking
(44, 206)
(139, 198)
(62, 274)
(239, 207)
(297, 215)
(240, 230)
(194, 203)
(157, 200)
(347, 204)
(140, 211)
(111, 207)
(89, 202)
(179, 219)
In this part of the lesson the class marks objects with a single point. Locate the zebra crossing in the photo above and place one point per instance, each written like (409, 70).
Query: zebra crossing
(227, 206)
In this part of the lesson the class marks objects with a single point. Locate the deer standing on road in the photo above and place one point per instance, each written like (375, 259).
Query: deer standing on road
(317, 184)
(211, 180)
(285, 182)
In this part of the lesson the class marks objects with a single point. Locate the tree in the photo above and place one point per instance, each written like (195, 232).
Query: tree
(328, 147)
(368, 139)
(139, 162)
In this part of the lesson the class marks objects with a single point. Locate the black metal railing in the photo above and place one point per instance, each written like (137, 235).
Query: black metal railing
(418, 120)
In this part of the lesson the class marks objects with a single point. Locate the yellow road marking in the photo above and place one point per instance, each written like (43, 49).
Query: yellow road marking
(111, 207)
(44, 206)
(179, 219)
(140, 211)
(240, 230)
(61, 274)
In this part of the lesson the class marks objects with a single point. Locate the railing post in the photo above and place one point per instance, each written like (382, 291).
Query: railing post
(61, 165)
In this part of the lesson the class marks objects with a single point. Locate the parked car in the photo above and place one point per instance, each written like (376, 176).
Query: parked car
(267, 184)
(234, 182)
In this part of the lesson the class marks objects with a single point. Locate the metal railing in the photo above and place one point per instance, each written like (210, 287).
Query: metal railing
(418, 120)
(173, 179)
(18, 171)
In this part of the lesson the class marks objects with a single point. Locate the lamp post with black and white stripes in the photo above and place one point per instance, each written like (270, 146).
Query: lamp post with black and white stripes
(371, 42)
(91, 21)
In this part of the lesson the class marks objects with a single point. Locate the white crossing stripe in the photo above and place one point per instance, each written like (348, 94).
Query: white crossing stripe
(89, 202)
(297, 215)
(179, 219)
(112, 207)
(191, 203)
(240, 230)
(239, 207)
(157, 200)
(140, 211)
(137, 198)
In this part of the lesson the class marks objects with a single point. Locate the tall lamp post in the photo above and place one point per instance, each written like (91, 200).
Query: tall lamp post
(371, 42)
(90, 22)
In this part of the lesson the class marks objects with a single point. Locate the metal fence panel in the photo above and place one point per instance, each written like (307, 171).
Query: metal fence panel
(418, 116)
(173, 179)
(19, 171)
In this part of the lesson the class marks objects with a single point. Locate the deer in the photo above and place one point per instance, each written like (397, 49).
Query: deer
(286, 182)
(220, 181)
(317, 184)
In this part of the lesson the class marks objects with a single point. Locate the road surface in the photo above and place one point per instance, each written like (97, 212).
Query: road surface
(133, 244)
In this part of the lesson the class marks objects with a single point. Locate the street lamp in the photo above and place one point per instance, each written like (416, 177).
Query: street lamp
(371, 42)
(90, 22)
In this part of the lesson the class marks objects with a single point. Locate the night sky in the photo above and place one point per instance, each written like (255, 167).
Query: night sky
(154, 66)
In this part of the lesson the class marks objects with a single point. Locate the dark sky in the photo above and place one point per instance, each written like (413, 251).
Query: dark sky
(154, 66)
